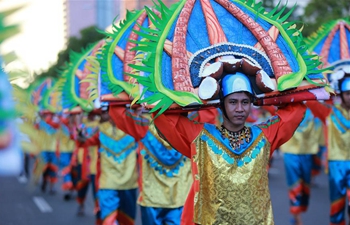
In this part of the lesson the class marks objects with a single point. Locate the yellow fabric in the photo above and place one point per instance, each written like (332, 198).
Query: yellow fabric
(93, 150)
(158, 190)
(305, 142)
(34, 145)
(93, 153)
(80, 155)
(228, 194)
(338, 143)
(117, 176)
(48, 141)
(66, 144)
(114, 175)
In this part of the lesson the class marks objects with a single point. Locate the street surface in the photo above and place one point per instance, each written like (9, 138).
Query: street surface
(25, 204)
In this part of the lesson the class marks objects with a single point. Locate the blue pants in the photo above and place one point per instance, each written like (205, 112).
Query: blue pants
(51, 166)
(298, 173)
(118, 205)
(339, 185)
(160, 216)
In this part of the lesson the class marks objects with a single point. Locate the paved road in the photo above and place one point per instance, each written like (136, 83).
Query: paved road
(25, 204)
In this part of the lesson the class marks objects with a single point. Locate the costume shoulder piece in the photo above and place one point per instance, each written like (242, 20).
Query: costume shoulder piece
(117, 55)
(331, 42)
(52, 98)
(193, 44)
(38, 89)
(82, 66)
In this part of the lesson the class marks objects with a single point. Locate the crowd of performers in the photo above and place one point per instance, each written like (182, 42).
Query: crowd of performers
(207, 166)
(120, 155)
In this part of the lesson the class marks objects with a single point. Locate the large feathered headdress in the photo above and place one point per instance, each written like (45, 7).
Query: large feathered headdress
(331, 42)
(193, 44)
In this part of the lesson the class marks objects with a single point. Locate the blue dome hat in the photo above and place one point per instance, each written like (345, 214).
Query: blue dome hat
(237, 82)
(345, 85)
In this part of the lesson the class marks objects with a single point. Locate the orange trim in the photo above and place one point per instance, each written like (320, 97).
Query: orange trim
(337, 206)
(124, 219)
(297, 209)
(110, 219)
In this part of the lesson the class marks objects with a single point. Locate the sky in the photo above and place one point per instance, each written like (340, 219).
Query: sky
(41, 34)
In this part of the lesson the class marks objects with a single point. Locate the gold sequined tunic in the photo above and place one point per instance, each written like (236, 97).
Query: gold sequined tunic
(231, 188)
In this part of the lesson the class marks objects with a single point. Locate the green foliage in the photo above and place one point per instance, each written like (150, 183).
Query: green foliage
(88, 35)
(320, 12)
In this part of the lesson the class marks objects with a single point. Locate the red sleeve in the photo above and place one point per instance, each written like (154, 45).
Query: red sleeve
(178, 131)
(129, 122)
(270, 108)
(205, 116)
(319, 110)
(280, 128)
(93, 140)
(250, 119)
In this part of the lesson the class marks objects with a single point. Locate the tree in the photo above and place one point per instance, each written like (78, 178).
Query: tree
(319, 12)
(89, 35)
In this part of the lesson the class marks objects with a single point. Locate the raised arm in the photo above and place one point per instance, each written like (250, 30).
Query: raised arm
(209, 115)
(126, 120)
(280, 128)
(178, 130)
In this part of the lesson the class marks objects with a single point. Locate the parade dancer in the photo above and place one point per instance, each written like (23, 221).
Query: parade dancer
(337, 119)
(118, 177)
(47, 162)
(92, 128)
(81, 162)
(165, 174)
(298, 155)
(66, 147)
(230, 162)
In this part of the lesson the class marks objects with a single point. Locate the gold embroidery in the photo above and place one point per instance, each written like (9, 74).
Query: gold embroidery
(229, 194)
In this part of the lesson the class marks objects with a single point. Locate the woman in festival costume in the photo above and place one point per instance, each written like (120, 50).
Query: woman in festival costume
(165, 174)
(331, 43)
(298, 160)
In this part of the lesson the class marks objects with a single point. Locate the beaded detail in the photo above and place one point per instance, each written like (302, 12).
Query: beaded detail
(236, 138)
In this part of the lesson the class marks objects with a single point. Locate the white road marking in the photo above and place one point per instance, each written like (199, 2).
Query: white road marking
(43, 206)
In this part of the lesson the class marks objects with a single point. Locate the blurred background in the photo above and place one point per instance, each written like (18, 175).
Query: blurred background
(49, 30)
